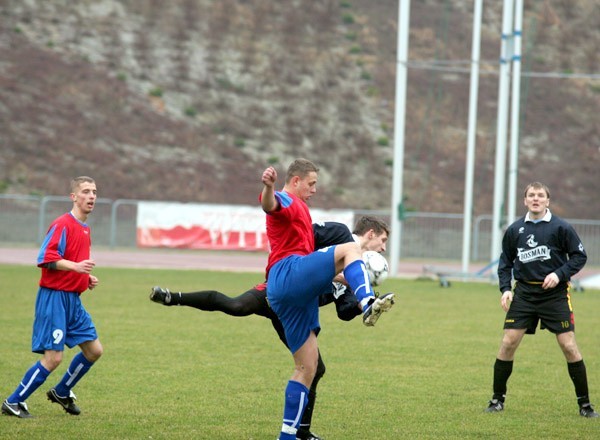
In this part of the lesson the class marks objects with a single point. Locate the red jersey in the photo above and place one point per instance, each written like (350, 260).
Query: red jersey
(67, 239)
(289, 229)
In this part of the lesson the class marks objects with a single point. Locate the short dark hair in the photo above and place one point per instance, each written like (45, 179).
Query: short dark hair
(367, 222)
(301, 168)
(537, 185)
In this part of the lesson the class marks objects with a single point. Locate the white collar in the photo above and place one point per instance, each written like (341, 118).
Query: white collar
(545, 218)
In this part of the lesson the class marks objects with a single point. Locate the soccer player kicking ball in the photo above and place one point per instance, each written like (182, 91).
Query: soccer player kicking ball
(296, 276)
(370, 232)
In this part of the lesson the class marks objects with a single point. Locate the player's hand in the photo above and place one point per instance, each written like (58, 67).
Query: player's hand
(269, 177)
(84, 266)
(506, 299)
(93, 282)
(550, 281)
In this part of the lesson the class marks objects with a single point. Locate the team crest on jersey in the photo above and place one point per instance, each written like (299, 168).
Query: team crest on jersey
(521, 230)
(531, 241)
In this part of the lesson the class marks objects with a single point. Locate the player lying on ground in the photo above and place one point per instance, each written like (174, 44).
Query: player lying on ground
(370, 232)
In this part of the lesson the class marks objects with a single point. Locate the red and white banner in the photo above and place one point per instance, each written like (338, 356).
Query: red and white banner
(217, 227)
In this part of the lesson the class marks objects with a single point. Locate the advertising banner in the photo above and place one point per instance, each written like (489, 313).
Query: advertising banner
(212, 226)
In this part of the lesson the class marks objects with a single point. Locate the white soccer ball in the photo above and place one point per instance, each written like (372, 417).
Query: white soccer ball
(377, 267)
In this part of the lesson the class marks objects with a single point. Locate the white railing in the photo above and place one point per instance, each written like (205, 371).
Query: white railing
(425, 235)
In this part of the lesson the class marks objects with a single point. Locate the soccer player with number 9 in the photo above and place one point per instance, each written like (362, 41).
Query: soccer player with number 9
(60, 318)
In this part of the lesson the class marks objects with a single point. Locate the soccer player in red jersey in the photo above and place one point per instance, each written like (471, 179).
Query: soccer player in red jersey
(297, 275)
(60, 318)
(370, 232)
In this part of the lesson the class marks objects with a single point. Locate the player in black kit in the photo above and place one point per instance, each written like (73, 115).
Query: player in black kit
(542, 252)
(370, 232)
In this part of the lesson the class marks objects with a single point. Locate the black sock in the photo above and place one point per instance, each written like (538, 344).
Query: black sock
(175, 299)
(502, 371)
(212, 301)
(578, 375)
(306, 421)
(207, 300)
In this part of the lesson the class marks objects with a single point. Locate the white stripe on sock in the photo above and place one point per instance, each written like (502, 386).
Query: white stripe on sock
(26, 387)
(298, 415)
(74, 374)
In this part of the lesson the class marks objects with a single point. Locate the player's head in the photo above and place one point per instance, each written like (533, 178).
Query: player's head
(77, 181)
(537, 186)
(373, 233)
(301, 178)
(83, 194)
(537, 198)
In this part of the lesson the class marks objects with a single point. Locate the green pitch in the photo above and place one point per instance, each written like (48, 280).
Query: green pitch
(423, 372)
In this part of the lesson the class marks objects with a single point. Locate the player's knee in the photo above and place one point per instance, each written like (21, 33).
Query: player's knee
(508, 348)
(93, 351)
(96, 353)
(241, 306)
(238, 308)
(347, 252)
(571, 351)
(354, 250)
(52, 360)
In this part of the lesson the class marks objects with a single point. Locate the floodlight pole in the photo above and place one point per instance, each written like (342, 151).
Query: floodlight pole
(513, 169)
(399, 122)
(500, 166)
(472, 129)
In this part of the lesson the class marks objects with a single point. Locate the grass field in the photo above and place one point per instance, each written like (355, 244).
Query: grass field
(424, 372)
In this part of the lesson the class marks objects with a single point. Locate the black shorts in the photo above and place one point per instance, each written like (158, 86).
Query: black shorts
(554, 312)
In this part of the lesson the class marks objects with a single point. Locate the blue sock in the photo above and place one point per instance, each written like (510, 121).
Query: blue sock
(32, 380)
(358, 278)
(296, 398)
(79, 366)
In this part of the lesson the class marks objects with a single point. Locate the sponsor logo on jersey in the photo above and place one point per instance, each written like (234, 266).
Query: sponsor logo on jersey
(540, 253)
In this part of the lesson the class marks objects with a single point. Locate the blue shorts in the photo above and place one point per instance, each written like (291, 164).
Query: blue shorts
(60, 319)
(295, 284)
